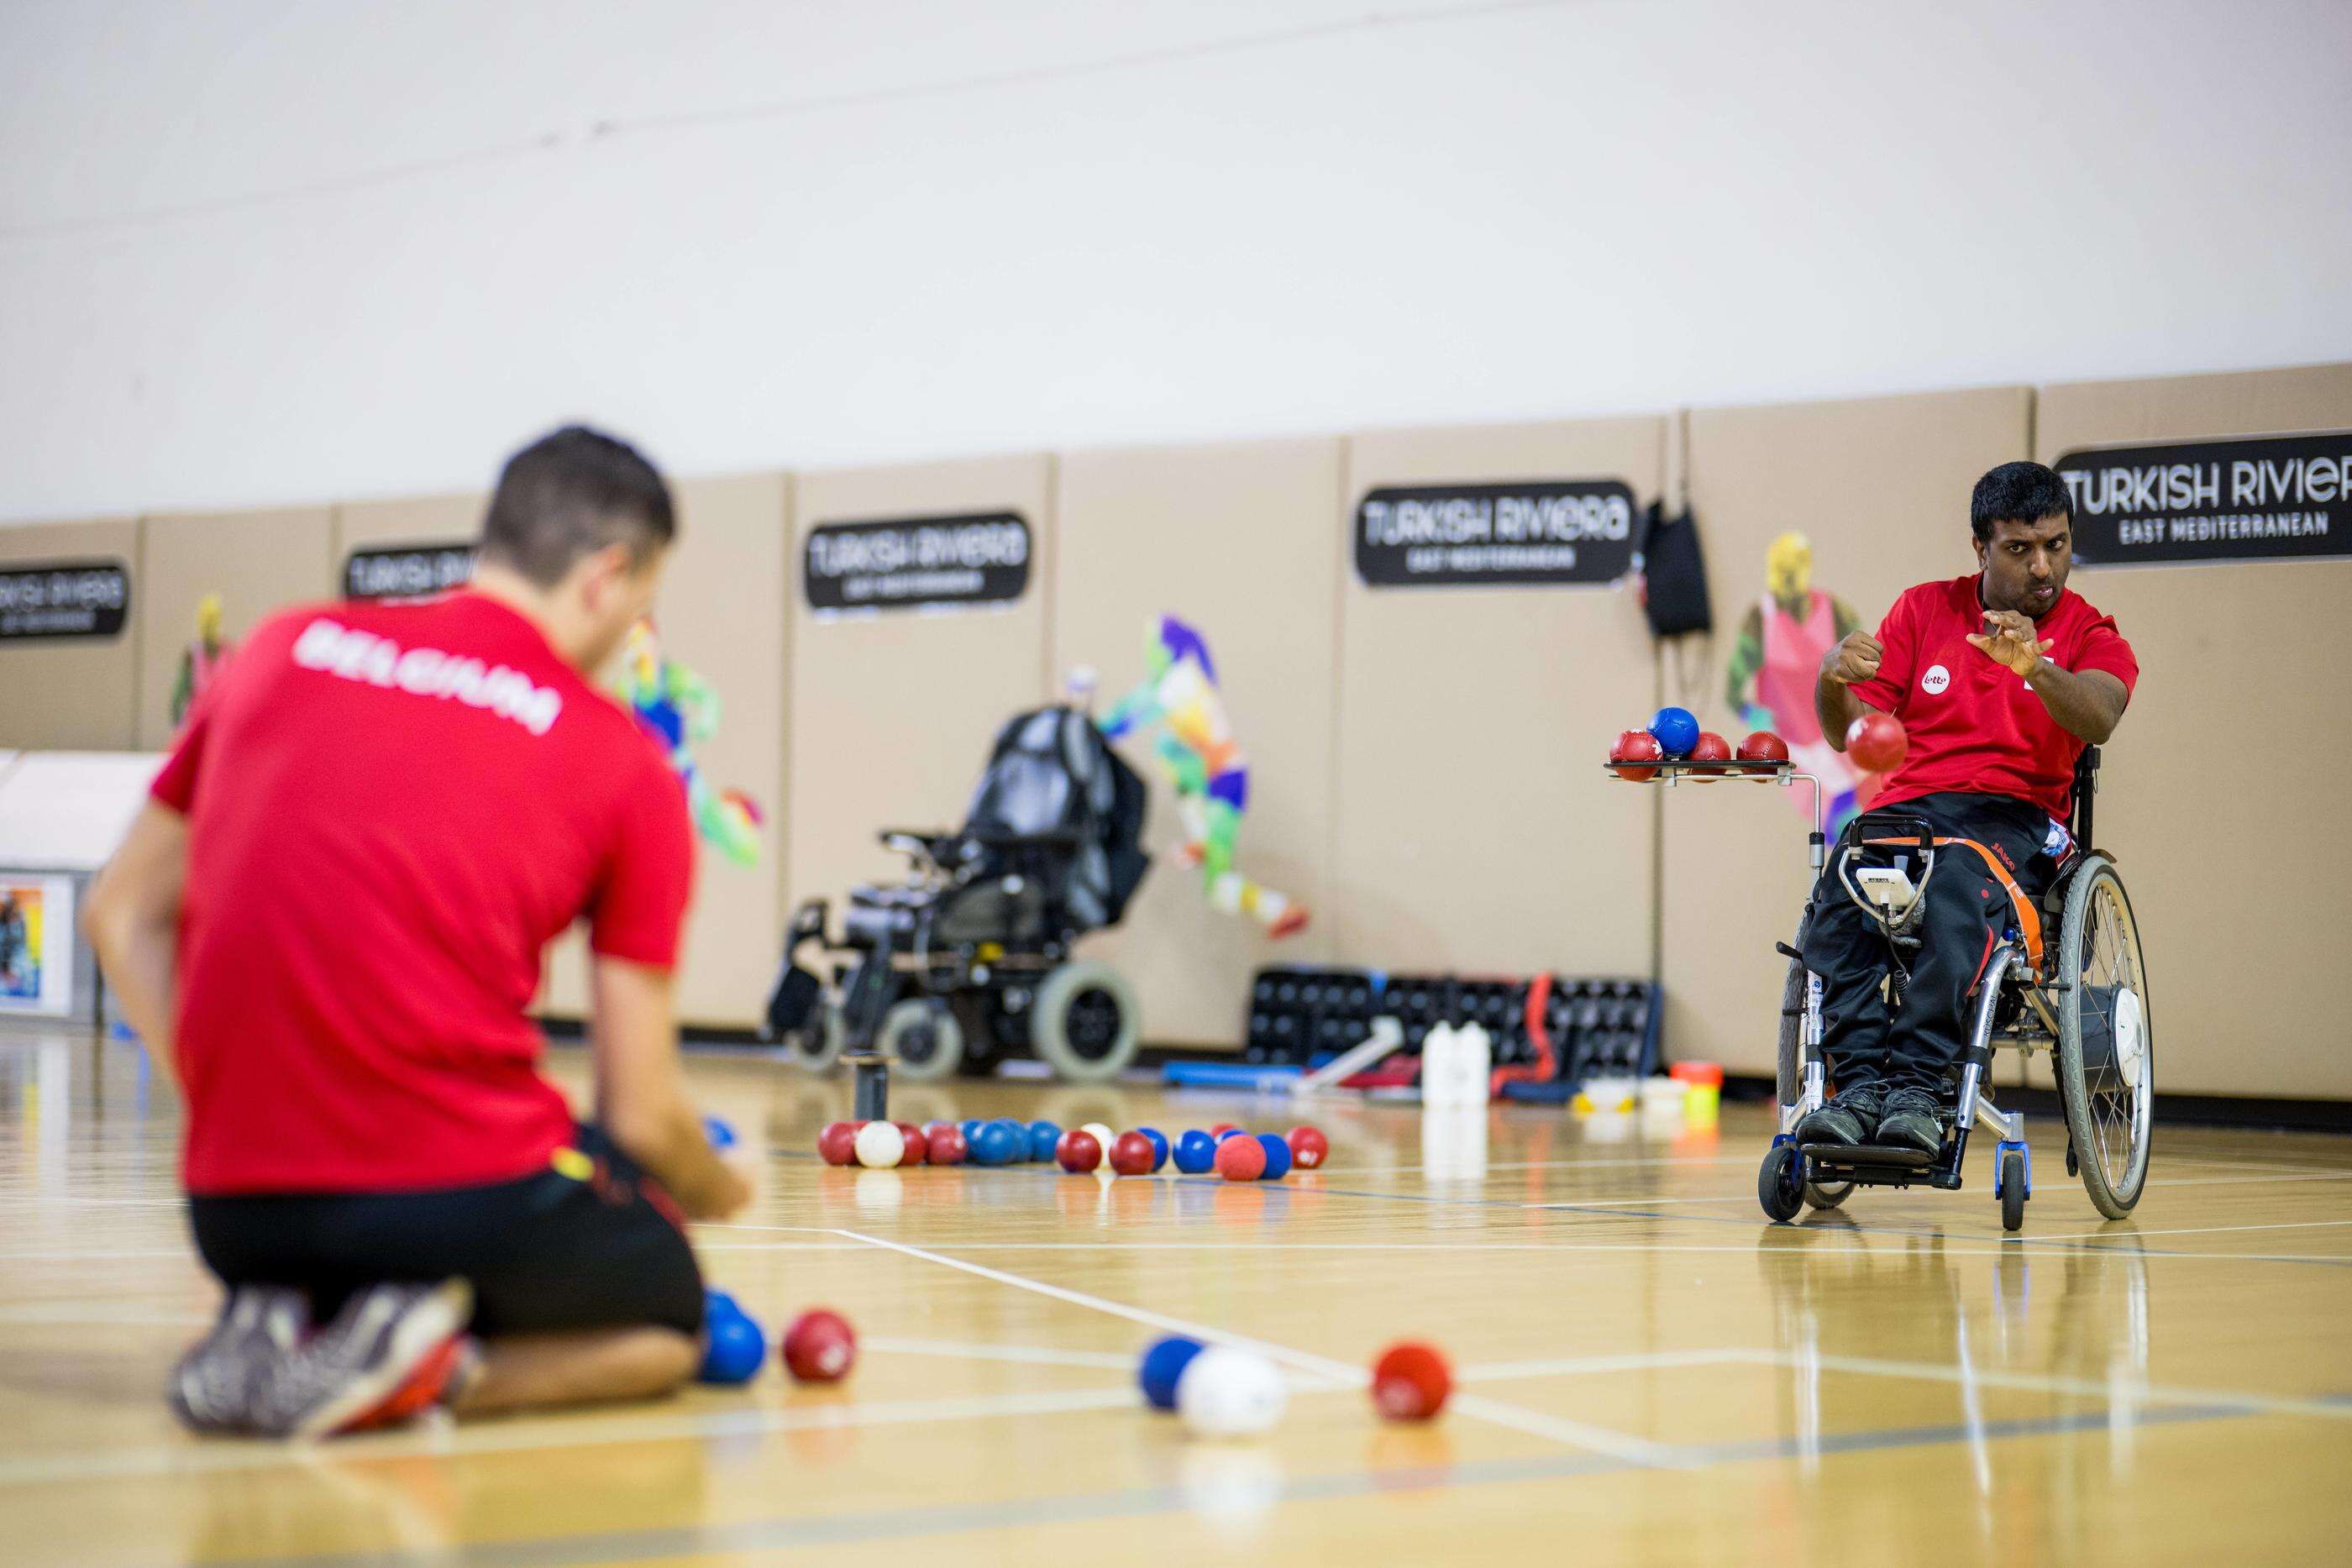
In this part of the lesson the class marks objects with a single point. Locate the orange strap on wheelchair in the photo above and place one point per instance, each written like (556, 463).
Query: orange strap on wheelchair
(2029, 915)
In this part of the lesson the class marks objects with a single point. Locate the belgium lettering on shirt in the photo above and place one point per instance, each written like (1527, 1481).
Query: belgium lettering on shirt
(351, 654)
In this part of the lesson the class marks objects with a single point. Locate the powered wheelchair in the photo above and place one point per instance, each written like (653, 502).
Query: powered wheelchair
(970, 958)
(2066, 976)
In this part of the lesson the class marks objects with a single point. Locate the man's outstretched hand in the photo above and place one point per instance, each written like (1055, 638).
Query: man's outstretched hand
(2010, 641)
(1855, 658)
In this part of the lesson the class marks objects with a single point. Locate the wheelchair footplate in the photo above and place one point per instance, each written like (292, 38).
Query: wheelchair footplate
(1882, 1165)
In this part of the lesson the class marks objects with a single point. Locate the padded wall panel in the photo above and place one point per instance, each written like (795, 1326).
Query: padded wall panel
(71, 693)
(255, 562)
(2239, 871)
(892, 711)
(1234, 539)
(1474, 830)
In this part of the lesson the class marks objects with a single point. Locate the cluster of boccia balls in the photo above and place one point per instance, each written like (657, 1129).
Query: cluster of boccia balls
(1231, 1152)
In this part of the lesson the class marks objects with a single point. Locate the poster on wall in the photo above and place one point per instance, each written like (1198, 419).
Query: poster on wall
(36, 949)
(2271, 498)
(917, 563)
(64, 599)
(1537, 533)
(407, 572)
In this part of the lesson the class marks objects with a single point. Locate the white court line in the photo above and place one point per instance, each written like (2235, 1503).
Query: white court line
(1821, 1247)
(1039, 1355)
(1575, 1434)
(194, 1458)
(2187, 1230)
(2089, 1388)
(1927, 1371)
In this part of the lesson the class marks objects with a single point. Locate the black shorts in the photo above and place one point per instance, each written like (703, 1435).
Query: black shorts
(601, 1246)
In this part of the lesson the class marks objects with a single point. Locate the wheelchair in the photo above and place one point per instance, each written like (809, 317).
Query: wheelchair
(971, 957)
(2066, 976)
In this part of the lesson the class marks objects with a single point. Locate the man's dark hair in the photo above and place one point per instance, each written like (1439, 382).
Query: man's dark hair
(2019, 492)
(569, 495)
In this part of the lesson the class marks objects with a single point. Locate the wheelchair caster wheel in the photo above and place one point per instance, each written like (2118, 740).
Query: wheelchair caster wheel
(2013, 1189)
(2073, 1165)
(1781, 1182)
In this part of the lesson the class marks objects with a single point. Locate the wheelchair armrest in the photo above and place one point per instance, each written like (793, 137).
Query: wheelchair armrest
(911, 840)
(1056, 838)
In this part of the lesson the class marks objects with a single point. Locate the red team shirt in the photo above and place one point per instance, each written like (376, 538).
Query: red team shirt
(392, 810)
(1976, 727)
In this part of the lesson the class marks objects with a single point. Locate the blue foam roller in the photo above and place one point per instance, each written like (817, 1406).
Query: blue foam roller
(1158, 1145)
(1162, 1364)
(1043, 1136)
(1196, 1152)
(734, 1349)
(1232, 1075)
(1278, 1156)
(1677, 730)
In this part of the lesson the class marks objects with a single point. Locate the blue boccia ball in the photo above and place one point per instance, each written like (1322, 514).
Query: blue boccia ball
(734, 1348)
(1158, 1145)
(970, 1126)
(1043, 1136)
(1196, 1152)
(1230, 1133)
(1677, 730)
(1278, 1156)
(721, 1134)
(995, 1144)
(1162, 1364)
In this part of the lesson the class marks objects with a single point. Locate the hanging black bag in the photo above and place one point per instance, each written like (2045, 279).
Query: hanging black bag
(1674, 573)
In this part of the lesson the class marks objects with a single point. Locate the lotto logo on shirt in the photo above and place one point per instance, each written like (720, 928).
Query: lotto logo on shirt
(1934, 682)
(349, 654)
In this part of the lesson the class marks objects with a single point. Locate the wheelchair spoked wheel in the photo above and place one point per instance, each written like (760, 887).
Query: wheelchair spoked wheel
(1086, 1022)
(2107, 1064)
(922, 1038)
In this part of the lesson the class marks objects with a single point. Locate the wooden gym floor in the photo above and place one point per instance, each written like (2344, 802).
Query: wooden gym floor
(1649, 1371)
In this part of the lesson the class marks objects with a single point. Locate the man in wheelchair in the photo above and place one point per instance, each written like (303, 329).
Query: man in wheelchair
(2001, 678)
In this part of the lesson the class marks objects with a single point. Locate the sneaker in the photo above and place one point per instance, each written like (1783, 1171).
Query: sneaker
(1912, 1119)
(213, 1388)
(1851, 1117)
(393, 1351)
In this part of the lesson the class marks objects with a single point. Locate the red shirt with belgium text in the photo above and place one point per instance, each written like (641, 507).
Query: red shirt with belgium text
(1976, 726)
(393, 809)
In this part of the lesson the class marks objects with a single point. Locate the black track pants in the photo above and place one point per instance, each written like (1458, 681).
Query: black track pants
(1967, 909)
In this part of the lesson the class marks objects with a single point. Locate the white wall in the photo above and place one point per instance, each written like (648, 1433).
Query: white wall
(253, 252)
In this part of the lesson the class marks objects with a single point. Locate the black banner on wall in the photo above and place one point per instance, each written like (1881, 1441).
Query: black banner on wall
(64, 599)
(407, 571)
(2248, 498)
(1542, 531)
(911, 563)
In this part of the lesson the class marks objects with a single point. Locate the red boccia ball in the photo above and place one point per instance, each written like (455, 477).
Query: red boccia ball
(838, 1145)
(1241, 1159)
(1309, 1147)
(1411, 1382)
(1636, 746)
(917, 1143)
(943, 1144)
(1221, 1129)
(1709, 748)
(820, 1346)
(1763, 746)
(1877, 741)
(1131, 1154)
(1078, 1152)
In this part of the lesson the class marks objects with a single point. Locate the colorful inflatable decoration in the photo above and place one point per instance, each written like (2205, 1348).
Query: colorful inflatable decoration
(678, 708)
(1179, 697)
